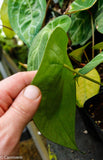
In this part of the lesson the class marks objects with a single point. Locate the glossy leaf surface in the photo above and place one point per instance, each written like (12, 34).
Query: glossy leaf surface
(79, 5)
(92, 64)
(38, 46)
(5, 20)
(55, 117)
(26, 17)
(85, 89)
(77, 53)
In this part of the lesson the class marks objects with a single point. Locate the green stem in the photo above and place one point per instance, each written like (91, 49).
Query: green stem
(74, 71)
(92, 25)
(92, 36)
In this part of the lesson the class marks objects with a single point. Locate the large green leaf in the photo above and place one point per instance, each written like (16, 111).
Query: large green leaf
(79, 5)
(55, 117)
(77, 53)
(79, 31)
(40, 41)
(5, 20)
(26, 17)
(92, 64)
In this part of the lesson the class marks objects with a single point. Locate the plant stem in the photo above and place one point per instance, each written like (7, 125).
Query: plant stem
(6, 27)
(68, 8)
(86, 56)
(92, 24)
(23, 65)
(49, 1)
(74, 71)
(92, 36)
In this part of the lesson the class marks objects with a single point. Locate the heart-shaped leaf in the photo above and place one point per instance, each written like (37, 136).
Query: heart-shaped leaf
(77, 53)
(55, 117)
(92, 64)
(26, 17)
(36, 51)
(85, 89)
(5, 20)
(79, 5)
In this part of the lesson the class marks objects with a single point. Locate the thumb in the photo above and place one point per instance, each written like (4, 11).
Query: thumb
(23, 108)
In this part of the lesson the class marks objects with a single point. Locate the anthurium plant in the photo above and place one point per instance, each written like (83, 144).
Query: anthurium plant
(56, 76)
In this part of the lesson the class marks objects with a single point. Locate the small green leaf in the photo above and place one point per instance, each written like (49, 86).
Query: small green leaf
(98, 46)
(55, 117)
(79, 31)
(85, 89)
(36, 51)
(5, 20)
(92, 64)
(80, 5)
(26, 17)
(77, 53)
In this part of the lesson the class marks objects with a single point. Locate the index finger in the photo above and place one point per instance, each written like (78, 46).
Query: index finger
(13, 85)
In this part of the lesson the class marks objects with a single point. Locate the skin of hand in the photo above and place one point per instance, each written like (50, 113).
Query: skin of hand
(18, 103)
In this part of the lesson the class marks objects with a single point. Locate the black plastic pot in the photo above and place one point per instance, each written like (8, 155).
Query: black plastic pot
(92, 113)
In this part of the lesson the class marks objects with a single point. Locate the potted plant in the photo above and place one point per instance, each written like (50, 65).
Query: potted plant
(52, 53)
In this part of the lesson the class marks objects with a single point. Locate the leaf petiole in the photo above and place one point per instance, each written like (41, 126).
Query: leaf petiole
(6, 27)
(86, 77)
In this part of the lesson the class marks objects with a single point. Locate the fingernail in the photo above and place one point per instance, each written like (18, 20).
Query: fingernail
(32, 92)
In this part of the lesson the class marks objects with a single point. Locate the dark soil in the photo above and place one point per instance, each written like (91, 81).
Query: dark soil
(95, 110)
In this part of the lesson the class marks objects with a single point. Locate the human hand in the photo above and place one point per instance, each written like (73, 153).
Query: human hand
(18, 103)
